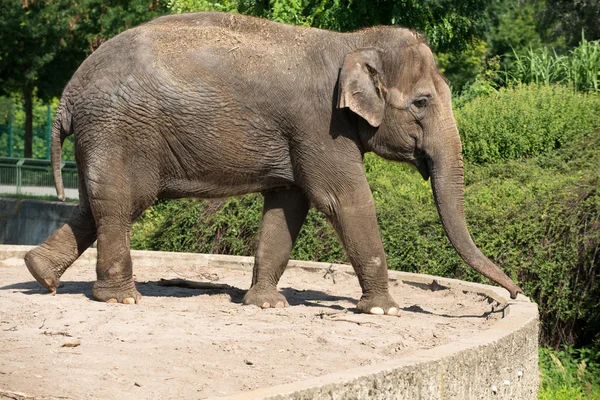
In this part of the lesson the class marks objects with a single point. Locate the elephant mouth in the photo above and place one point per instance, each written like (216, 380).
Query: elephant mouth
(420, 161)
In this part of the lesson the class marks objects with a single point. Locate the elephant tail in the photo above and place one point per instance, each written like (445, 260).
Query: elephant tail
(61, 128)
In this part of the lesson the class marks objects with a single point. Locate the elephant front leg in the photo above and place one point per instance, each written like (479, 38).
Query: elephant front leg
(283, 215)
(352, 212)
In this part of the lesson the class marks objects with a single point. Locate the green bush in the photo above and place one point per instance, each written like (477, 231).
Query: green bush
(570, 373)
(524, 121)
(219, 227)
(540, 219)
(226, 227)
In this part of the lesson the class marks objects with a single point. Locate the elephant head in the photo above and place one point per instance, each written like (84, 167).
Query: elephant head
(407, 115)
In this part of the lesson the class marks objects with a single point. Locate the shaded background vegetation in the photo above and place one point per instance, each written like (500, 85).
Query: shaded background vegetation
(526, 79)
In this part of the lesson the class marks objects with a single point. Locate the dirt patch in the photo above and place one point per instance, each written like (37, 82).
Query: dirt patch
(191, 343)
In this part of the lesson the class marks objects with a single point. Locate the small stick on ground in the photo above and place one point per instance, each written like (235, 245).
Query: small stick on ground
(22, 396)
(333, 316)
(178, 273)
(184, 283)
(330, 272)
(74, 343)
(355, 322)
(324, 314)
(56, 333)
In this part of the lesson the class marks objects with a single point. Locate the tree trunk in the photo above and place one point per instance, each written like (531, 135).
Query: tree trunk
(28, 98)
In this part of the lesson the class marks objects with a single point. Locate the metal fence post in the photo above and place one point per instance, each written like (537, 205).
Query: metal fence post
(10, 130)
(19, 183)
(48, 129)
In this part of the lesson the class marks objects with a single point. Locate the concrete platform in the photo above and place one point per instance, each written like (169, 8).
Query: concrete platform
(498, 363)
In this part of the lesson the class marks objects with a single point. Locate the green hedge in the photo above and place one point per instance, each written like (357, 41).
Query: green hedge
(524, 121)
(538, 218)
(226, 227)
(569, 373)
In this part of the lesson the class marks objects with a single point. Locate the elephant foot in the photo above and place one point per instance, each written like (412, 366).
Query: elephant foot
(265, 298)
(42, 270)
(379, 304)
(111, 293)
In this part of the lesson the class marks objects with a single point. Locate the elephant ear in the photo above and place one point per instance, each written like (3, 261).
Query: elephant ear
(361, 85)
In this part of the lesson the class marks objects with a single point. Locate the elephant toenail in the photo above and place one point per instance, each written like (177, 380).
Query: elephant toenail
(392, 311)
(265, 305)
(279, 304)
(376, 311)
(129, 300)
(113, 300)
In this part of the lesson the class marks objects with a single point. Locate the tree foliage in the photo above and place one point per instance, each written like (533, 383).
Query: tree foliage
(33, 35)
(569, 18)
(511, 25)
(449, 24)
(43, 42)
(99, 20)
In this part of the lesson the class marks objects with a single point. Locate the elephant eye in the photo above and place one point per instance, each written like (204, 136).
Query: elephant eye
(421, 102)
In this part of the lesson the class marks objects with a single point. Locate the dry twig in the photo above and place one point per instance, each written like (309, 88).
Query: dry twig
(184, 283)
(6, 394)
(324, 314)
(355, 322)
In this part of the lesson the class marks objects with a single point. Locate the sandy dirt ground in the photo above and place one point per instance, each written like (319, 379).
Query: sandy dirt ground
(182, 343)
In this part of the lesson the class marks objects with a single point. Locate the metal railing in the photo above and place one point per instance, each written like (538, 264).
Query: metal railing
(26, 176)
(12, 131)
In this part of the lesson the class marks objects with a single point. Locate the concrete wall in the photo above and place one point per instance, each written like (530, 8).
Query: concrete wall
(27, 221)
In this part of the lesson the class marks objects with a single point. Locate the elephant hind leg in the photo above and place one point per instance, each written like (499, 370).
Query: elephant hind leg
(116, 201)
(51, 259)
(283, 215)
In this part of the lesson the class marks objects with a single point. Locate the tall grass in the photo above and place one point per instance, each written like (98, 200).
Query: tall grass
(583, 66)
(580, 68)
(570, 373)
(541, 67)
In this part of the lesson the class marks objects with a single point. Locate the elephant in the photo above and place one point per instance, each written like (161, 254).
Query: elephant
(211, 105)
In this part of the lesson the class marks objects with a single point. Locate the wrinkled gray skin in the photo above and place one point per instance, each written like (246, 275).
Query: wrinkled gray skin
(212, 105)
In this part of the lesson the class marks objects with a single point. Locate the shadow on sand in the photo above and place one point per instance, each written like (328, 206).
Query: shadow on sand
(308, 298)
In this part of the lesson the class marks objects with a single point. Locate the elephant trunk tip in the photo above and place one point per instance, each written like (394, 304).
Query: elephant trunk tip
(514, 290)
(490, 270)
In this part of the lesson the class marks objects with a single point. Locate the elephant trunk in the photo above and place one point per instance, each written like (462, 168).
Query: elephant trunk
(447, 180)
